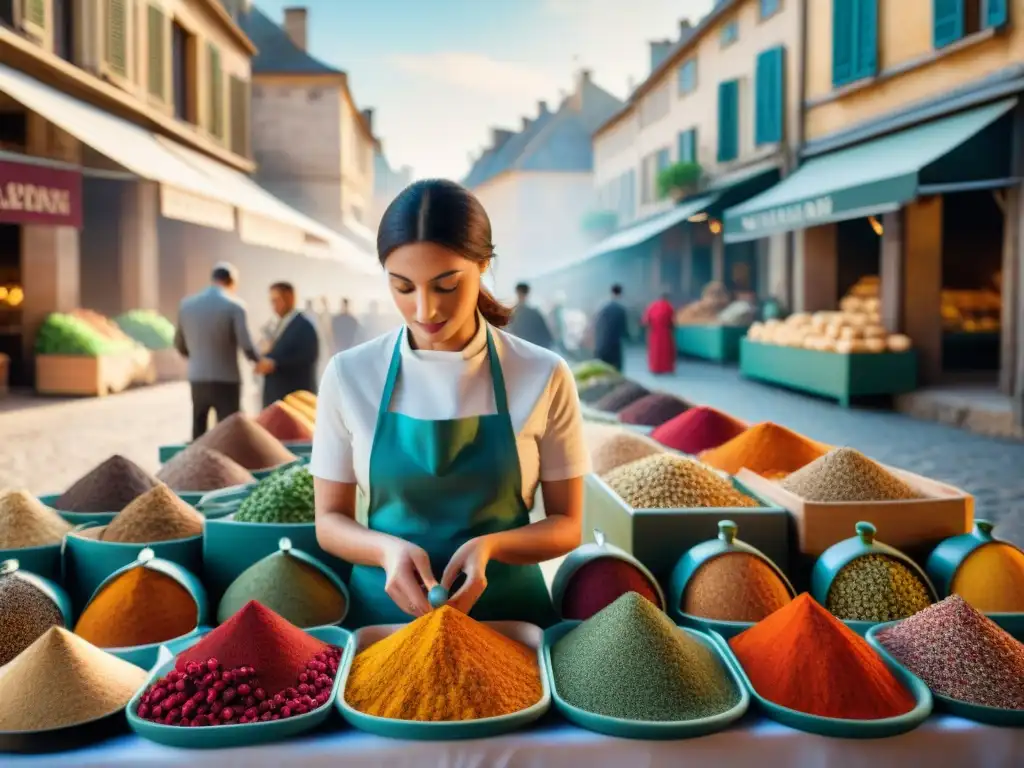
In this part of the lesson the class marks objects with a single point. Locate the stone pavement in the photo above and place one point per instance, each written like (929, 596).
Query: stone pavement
(990, 468)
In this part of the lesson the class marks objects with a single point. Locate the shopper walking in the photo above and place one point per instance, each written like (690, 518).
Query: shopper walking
(611, 330)
(659, 320)
(527, 322)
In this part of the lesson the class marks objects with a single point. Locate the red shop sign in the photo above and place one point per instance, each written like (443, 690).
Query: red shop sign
(36, 194)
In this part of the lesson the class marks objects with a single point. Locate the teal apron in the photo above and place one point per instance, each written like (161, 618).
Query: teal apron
(438, 484)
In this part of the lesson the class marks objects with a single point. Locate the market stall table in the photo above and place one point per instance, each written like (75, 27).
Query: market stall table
(942, 741)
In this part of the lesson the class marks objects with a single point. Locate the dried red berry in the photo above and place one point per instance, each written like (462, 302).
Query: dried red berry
(259, 693)
(244, 689)
(212, 664)
(227, 713)
(286, 712)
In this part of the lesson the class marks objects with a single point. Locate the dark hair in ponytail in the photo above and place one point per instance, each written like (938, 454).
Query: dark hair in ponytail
(446, 214)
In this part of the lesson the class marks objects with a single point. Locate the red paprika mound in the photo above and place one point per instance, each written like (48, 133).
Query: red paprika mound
(699, 429)
(601, 582)
(653, 410)
(803, 658)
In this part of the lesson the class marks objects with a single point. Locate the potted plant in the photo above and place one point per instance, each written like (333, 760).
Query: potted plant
(679, 179)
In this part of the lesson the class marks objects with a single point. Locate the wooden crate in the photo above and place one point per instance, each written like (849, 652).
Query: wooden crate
(85, 376)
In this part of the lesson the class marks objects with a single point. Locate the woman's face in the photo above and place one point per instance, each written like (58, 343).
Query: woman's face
(436, 292)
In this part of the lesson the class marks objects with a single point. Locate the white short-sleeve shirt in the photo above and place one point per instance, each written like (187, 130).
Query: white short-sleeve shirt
(543, 404)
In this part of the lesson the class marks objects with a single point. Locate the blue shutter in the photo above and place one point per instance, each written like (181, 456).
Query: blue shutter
(694, 153)
(842, 41)
(865, 46)
(996, 13)
(688, 146)
(769, 96)
(728, 120)
(947, 21)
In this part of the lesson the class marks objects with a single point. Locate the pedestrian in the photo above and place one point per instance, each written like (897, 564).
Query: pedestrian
(527, 322)
(611, 329)
(212, 327)
(556, 321)
(290, 363)
(344, 328)
(659, 320)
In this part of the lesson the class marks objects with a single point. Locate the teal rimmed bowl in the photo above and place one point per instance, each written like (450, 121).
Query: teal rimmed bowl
(979, 713)
(45, 560)
(484, 727)
(223, 736)
(646, 729)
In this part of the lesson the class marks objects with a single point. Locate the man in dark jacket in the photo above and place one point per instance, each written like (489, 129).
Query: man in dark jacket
(527, 321)
(290, 362)
(611, 330)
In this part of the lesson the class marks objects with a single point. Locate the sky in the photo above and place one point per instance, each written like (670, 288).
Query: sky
(441, 73)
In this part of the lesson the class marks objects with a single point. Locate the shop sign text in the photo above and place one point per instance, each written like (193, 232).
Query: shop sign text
(33, 194)
(794, 216)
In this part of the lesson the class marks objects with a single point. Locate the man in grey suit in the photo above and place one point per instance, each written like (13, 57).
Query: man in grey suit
(212, 327)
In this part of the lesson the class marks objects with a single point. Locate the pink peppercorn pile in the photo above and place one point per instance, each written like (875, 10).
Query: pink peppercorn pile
(206, 694)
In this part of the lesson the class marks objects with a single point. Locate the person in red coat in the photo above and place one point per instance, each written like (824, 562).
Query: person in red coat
(659, 320)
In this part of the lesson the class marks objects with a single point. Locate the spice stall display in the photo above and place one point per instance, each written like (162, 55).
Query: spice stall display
(653, 410)
(698, 429)
(595, 575)
(285, 422)
(62, 691)
(29, 606)
(108, 487)
(768, 449)
(984, 571)
(291, 583)
(31, 532)
(255, 671)
(611, 447)
(148, 602)
(627, 393)
(629, 671)
(198, 468)
(809, 671)
(726, 585)
(444, 675)
(974, 667)
(863, 581)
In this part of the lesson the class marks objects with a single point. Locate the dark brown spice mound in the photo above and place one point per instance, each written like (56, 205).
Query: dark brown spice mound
(627, 393)
(243, 440)
(108, 487)
(653, 410)
(199, 468)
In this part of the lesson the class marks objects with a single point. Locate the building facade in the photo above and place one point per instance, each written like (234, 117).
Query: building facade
(388, 181)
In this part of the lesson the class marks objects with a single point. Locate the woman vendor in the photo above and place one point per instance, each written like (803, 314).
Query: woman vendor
(448, 426)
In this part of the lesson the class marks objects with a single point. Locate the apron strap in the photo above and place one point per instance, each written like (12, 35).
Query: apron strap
(389, 382)
(497, 377)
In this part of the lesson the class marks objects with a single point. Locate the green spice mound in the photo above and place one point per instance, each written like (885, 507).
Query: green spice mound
(876, 588)
(589, 369)
(284, 497)
(844, 474)
(629, 661)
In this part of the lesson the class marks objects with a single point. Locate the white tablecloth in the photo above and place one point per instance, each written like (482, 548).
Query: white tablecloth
(943, 742)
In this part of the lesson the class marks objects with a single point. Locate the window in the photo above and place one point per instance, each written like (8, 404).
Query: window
(730, 33)
(116, 43)
(156, 39)
(627, 196)
(688, 152)
(769, 97)
(63, 28)
(215, 113)
(648, 180)
(769, 8)
(240, 100)
(33, 17)
(854, 40)
(182, 79)
(728, 120)
(688, 77)
(7, 13)
(663, 159)
(953, 20)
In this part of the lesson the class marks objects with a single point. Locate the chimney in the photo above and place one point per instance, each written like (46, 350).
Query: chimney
(368, 117)
(295, 26)
(576, 99)
(659, 52)
(542, 108)
(499, 136)
(685, 29)
(526, 123)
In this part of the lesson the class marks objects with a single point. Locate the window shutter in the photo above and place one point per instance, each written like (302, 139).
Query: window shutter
(996, 13)
(157, 50)
(215, 116)
(728, 120)
(842, 41)
(865, 45)
(240, 116)
(116, 47)
(769, 102)
(947, 21)
(34, 14)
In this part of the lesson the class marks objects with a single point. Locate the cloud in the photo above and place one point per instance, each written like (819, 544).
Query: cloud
(477, 73)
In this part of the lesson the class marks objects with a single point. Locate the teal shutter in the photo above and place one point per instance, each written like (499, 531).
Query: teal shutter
(865, 45)
(769, 99)
(996, 13)
(854, 40)
(947, 21)
(688, 146)
(842, 41)
(728, 120)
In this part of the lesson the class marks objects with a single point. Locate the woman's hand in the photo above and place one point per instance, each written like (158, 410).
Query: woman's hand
(471, 559)
(408, 576)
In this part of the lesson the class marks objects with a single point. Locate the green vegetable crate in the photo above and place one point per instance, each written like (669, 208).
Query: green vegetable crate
(717, 343)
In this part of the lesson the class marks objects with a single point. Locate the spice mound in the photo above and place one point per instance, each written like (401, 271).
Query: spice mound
(876, 588)
(665, 481)
(198, 468)
(611, 447)
(26, 522)
(243, 440)
(444, 666)
(630, 661)
(736, 586)
(844, 474)
(803, 658)
(284, 422)
(108, 487)
(284, 497)
(601, 582)
(61, 680)
(960, 654)
(139, 607)
(627, 393)
(596, 388)
(157, 515)
(653, 410)
(991, 579)
(766, 449)
(27, 613)
(288, 586)
(699, 429)
(590, 369)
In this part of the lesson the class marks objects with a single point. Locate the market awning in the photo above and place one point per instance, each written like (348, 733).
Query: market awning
(651, 227)
(879, 176)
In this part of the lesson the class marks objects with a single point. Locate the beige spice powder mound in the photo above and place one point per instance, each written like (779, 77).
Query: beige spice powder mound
(159, 515)
(667, 481)
(27, 522)
(611, 447)
(844, 474)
